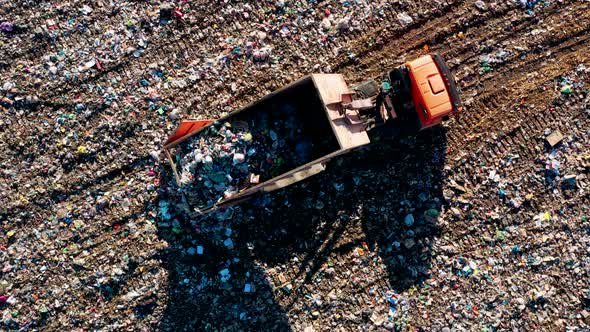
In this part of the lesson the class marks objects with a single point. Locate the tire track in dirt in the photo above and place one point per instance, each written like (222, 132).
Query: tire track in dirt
(568, 119)
(488, 113)
(493, 100)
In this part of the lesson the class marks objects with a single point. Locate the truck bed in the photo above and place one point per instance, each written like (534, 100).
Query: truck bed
(286, 129)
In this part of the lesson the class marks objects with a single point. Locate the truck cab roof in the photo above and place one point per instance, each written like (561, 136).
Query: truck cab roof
(431, 92)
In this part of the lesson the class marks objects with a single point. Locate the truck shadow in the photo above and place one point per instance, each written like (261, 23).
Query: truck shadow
(361, 201)
(198, 300)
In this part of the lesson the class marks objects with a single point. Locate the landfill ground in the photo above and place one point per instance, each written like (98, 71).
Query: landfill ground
(499, 233)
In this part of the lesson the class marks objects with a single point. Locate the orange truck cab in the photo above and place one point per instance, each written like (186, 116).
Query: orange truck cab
(434, 92)
(415, 96)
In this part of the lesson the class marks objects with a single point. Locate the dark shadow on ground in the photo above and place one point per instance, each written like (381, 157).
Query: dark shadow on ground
(381, 185)
(197, 298)
(377, 186)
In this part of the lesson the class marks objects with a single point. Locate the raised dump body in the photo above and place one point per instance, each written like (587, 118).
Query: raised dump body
(282, 138)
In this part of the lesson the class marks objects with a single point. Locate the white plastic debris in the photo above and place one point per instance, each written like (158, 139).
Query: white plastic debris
(404, 18)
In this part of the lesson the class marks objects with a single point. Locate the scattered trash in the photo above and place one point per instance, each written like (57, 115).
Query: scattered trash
(484, 228)
(567, 89)
(247, 288)
(569, 181)
(409, 220)
(228, 243)
(224, 275)
(481, 5)
(554, 138)
(405, 19)
(6, 27)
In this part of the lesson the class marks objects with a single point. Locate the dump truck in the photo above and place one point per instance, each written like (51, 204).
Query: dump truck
(322, 118)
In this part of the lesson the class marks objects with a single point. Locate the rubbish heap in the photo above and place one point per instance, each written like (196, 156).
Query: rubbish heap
(227, 157)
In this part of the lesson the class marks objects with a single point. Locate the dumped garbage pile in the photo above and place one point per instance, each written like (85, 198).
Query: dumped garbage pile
(228, 157)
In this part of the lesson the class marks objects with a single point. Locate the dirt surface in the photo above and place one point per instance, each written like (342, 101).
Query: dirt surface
(499, 234)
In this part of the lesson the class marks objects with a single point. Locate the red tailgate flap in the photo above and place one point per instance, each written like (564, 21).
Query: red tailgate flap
(185, 128)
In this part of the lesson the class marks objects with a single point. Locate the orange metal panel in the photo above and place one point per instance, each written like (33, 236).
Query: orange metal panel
(185, 128)
(431, 90)
(436, 84)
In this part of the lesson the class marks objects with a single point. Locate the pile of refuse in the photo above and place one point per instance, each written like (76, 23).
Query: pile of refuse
(225, 158)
